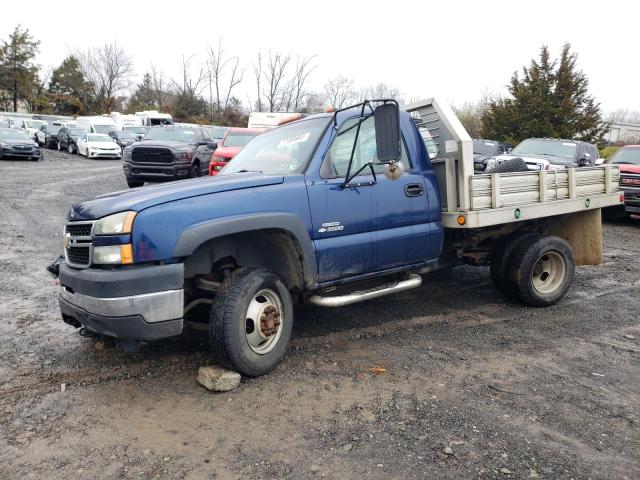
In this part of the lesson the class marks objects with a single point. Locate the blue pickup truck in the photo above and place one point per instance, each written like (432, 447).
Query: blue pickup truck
(332, 209)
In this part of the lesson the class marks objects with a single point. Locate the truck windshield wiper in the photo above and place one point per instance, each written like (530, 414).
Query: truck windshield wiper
(250, 171)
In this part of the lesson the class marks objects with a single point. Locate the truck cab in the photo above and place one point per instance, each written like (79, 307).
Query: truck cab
(330, 210)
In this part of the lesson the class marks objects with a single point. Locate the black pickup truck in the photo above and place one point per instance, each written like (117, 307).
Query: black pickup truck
(168, 153)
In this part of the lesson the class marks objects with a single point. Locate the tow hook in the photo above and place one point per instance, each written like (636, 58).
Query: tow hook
(54, 268)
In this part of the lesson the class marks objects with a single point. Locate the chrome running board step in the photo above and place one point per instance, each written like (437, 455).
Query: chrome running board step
(412, 281)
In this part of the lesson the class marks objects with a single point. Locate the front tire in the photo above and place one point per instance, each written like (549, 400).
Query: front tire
(70, 148)
(134, 184)
(195, 171)
(541, 270)
(59, 147)
(251, 321)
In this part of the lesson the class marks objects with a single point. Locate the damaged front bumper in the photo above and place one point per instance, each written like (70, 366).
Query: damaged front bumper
(140, 303)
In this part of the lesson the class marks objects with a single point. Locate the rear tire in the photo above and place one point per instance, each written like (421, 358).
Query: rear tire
(134, 183)
(500, 258)
(541, 270)
(251, 321)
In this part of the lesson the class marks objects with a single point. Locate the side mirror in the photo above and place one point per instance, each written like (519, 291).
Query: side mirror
(212, 145)
(386, 118)
(138, 138)
(600, 161)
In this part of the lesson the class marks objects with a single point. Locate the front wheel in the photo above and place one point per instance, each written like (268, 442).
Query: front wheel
(70, 148)
(541, 270)
(59, 147)
(134, 184)
(251, 321)
(195, 171)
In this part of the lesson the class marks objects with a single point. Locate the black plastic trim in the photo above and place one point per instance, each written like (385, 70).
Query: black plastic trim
(124, 282)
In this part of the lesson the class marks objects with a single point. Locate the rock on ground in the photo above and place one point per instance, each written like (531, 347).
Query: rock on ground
(218, 379)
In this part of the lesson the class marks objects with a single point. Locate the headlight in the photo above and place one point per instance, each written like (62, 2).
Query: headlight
(183, 156)
(117, 224)
(113, 255)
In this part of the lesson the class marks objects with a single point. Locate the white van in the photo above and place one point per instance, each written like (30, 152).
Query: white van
(97, 124)
(151, 118)
(270, 120)
(122, 121)
(64, 123)
(30, 126)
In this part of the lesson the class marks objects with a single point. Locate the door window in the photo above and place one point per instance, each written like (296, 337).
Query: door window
(336, 162)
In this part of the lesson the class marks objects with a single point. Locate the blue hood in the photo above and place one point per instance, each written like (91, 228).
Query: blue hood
(140, 198)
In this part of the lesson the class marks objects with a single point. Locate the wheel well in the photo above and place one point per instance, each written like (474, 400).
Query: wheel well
(274, 249)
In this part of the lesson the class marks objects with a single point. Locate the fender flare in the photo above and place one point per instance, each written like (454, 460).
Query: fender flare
(195, 235)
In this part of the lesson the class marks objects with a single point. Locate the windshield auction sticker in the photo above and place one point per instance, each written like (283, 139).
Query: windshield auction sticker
(297, 138)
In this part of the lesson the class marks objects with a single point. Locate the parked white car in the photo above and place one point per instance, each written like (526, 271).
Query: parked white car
(96, 145)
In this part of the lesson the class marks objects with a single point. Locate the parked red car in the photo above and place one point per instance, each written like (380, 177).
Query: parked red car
(628, 159)
(232, 143)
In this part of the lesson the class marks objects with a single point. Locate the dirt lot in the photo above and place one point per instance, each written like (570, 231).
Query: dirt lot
(514, 392)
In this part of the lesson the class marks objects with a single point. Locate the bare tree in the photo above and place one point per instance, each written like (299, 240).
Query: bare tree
(381, 90)
(160, 88)
(236, 78)
(109, 69)
(339, 91)
(297, 85)
(188, 91)
(257, 71)
(216, 66)
(274, 77)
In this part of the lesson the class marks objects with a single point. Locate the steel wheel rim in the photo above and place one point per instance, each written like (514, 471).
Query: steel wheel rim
(548, 272)
(264, 321)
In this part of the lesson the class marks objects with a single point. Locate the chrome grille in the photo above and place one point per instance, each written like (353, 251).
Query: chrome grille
(79, 229)
(78, 243)
(79, 255)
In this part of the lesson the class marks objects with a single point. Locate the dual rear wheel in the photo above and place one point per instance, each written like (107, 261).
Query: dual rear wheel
(534, 268)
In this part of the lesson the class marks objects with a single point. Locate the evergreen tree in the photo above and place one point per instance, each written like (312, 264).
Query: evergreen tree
(18, 73)
(551, 99)
(144, 97)
(70, 92)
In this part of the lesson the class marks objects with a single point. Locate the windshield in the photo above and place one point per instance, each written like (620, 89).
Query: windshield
(76, 132)
(538, 146)
(103, 128)
(281, 151)
(12, 134)
(126, 135)
(159, 121)
(173, 134)
(135, 130)
(34, 123)
(99, 138)
(238, 138)
(482, 147)
(218, 132)
(627, 155)
(53, 129)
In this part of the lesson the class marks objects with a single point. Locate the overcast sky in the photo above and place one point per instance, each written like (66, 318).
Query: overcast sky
(451, 49)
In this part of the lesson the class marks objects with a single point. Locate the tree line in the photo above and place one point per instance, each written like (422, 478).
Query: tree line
(548, 98)
(97, 80)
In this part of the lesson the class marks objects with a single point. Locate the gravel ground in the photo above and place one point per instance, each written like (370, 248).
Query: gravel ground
(474, 387)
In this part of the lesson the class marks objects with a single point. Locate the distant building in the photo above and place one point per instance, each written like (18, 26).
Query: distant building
(623, 132)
